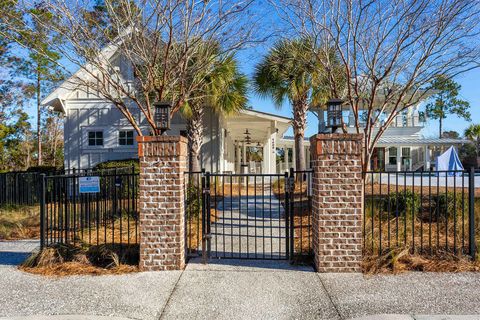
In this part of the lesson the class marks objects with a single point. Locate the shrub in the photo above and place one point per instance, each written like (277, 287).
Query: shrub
(402, 203)
(193, 200)
(115, 164)
(448, 205)
(44, 169)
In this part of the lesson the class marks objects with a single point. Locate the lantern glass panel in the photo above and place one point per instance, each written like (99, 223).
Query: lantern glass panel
(334, 114)
(162, 116)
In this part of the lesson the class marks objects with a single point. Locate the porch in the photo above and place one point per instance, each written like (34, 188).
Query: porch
(409, 153)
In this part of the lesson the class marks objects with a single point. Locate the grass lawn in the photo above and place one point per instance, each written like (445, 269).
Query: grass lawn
(19, 222)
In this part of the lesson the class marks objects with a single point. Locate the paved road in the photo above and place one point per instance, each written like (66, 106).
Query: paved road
(13, 253)
(238, 289)
(249, 227)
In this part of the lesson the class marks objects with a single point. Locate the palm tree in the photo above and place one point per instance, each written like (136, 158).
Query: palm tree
(473, 133)
(224, 91)
(291, 71)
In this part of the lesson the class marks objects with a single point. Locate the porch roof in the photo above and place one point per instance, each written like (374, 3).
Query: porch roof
(260, 125)
(418, 141)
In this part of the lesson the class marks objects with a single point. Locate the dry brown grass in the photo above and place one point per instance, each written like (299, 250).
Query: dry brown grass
(122, 230)
(401, 260)
(383, 189)
(19, 222)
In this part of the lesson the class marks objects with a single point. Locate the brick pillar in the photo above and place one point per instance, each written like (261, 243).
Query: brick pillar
(337, 201)
(163, 161)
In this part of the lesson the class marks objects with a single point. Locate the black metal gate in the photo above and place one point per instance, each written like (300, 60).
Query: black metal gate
(245, 216)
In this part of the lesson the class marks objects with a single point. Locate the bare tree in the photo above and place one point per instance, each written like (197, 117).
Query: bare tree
(134, 53)
(390, 51)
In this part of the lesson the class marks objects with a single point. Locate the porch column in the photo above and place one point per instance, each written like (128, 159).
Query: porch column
(294, 157)
(286, 158)
(307, 157)
(427, 158)
(266, 156)
(244, 157)
(273, 148)
(337, 208)
(399, 158)
(238, 150)
(163, 161)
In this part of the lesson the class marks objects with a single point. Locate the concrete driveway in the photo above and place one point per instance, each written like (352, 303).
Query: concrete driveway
(239, 289)
(249, 227)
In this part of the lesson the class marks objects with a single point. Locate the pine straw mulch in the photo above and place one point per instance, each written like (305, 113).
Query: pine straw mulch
(400, 260)
(67, 260)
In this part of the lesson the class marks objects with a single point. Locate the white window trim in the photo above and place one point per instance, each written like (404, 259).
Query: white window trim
(127, 146)
(86, 133)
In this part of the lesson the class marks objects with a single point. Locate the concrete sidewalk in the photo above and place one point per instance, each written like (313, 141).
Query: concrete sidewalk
(229, 289)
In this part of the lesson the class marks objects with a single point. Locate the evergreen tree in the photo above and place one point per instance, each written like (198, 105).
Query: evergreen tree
(446, 101)
(41, 69)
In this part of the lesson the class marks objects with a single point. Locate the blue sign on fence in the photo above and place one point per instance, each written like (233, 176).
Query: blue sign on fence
(89, 184)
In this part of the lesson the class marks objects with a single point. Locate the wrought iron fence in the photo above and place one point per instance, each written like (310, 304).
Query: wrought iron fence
(23, 187)
(19, 188)
(107, 213)
(427, 212)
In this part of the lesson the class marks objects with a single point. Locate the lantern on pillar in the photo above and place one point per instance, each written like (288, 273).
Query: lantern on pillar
(334, 114)
(162, 116)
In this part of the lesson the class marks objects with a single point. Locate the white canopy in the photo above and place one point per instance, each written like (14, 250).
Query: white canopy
(449, 161)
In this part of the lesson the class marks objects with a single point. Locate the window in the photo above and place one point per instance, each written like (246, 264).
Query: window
(406, 156)
(95, 138)
(392, 156)
(125, 138)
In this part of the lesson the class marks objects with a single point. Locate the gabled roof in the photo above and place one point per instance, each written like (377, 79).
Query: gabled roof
(266, 115)
(56, 98)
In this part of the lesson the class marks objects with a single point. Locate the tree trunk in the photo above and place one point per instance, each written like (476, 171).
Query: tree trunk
(195, 138)
(39, 135)
(299, 124)
(440, 125)
(478, 145)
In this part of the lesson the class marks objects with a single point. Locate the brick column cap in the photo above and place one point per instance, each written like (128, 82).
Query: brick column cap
(327, 144)
(162, 146)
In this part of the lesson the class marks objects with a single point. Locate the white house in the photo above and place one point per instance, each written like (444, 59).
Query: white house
(252, 141)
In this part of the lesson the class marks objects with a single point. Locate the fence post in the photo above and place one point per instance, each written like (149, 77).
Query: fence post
(42, 211)
(471, 212)
(337, 204)
(287, 216)
(291, 186)
(163, 161)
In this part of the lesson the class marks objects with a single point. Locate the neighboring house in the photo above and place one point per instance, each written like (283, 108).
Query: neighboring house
(252, 141)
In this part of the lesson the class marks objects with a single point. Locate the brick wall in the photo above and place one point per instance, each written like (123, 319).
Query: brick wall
(163, 161)
(337, 201)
